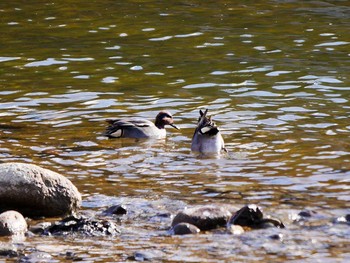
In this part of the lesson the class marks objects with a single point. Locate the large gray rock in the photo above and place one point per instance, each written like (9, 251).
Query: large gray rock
(35, 191)
(204, 217)
(12, 223)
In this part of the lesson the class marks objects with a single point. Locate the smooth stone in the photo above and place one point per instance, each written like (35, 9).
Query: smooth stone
(12, 223)
(35, 191)
(184, 229)
(235, 229)
(204, 217)
(270, 222)
(306, 213)
(277, 237)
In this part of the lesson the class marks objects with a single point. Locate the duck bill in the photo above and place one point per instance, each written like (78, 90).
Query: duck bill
(174, 126)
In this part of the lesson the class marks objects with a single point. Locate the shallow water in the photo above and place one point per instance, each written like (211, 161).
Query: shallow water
(274, 75)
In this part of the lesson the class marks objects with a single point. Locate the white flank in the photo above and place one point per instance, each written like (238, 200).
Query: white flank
(117, 133)
(205, 129)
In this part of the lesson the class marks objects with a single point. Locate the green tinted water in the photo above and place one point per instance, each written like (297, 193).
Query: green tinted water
(275, 75)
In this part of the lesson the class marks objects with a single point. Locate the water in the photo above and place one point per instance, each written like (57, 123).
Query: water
(274, 75)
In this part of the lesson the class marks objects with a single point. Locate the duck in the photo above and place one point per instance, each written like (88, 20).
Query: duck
(140, 128)
(207, 138)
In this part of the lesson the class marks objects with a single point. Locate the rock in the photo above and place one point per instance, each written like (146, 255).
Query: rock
(306, 213)
(343, 219)
(39, 228)
(12, 223)
(35, 191)
(184, 229)
(204, 217)
(235, 229)
(277, 237)
(115, 210)
(8, 250)
(251, 216)
(83, 225)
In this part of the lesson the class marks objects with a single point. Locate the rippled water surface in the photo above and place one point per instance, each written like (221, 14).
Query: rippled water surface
(274, 75)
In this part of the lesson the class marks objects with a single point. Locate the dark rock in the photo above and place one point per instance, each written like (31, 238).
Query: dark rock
(12, 223)
(35, 191)
(252, 216)
(40, 228)
(270, 222)
(89, 227)
(71, 256)
(306, 213)
(203, 217)
(141, 256)
(36, 256)
(184, 229)
(115, 210)
(249, 215)
(7, 250)
(277, 237)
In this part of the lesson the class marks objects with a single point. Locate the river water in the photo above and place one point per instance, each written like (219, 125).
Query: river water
(274, 76)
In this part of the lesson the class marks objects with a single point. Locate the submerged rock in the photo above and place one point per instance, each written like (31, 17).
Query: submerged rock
(35, 191)
(235, 229)
(251, 216)
(8, 250)
(83, 225)
(203, 217)
(115, 210)
(343, 219)
(12, 223)
(184, 229)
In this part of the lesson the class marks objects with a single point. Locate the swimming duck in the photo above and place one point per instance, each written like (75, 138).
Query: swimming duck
(207, 138)
(140, 128)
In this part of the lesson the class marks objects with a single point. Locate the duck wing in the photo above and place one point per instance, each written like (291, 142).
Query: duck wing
(118, 127)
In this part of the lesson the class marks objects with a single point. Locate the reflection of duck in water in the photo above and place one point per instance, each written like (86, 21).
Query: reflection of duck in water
(140, 128)
(207, 138)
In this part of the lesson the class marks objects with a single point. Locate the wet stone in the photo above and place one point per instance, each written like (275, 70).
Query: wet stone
(90, 227)
(306, 213)
(277, 237)
(8, 250)
(140, 256)
(270, 222)
(12, 223)
(252, 216)
(204, 217)
(34, 191)
(184, 229)
(115, 210)
(39, 228)
(343, 219)
(235, 229)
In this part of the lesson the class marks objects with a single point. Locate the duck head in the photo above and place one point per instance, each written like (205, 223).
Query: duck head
(165, 118)
(205, 124)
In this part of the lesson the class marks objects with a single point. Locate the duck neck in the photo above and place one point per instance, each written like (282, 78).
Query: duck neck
(159, 124)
